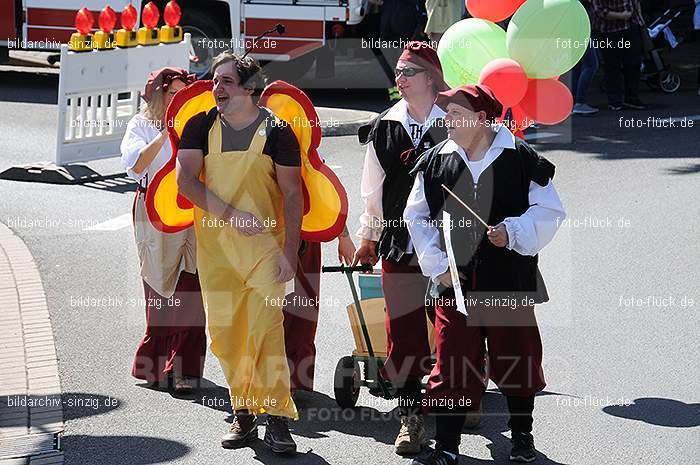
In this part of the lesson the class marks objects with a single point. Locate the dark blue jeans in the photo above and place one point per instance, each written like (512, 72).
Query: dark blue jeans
(583, 73)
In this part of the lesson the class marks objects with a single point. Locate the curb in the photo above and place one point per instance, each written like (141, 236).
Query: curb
(347, 125)
(31, 412)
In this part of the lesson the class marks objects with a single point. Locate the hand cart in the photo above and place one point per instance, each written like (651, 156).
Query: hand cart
(367, 321)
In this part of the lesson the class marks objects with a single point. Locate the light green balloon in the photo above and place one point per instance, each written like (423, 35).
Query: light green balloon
(467, 46)
(548, 37)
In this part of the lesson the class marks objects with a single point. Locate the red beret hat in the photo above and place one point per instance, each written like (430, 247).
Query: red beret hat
(476, 97)
(425, 56)
(161, 79)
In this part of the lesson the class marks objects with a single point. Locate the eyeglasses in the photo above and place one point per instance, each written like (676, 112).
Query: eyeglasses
(408, 72)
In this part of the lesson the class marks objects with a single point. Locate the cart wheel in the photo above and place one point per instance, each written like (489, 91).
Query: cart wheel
(669, 81)
(346, 384)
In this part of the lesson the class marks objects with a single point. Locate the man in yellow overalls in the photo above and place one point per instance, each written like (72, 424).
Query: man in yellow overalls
(240, 167)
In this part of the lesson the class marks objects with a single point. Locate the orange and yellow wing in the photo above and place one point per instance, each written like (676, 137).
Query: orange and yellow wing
(169, 211)
(325, 199)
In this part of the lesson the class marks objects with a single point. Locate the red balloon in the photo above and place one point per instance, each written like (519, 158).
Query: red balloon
(507, 80)
(519, 120)
(493, 10)
(547, 101)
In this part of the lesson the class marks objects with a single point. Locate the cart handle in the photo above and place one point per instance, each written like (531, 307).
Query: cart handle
(346, 269)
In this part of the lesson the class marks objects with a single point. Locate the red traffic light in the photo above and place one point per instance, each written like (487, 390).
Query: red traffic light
(107, 19)
(129, 17)
(150, 15)
(84, 21)
(172, 13)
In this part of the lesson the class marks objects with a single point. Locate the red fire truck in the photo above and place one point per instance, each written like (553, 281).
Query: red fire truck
(310, 25)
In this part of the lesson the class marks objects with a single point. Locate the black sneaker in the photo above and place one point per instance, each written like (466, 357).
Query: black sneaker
(523, 448)
(436, 457)
(614, 107)
(634, 104)
(243, 431)
(277, 436)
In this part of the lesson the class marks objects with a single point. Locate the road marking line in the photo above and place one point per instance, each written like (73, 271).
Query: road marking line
(114, 224)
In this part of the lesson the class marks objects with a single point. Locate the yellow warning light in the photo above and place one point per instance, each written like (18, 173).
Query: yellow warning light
(171, 32)
(81, 41)
(104, 38)
(126, 36)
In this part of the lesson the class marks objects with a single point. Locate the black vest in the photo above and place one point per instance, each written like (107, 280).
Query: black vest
(398, 157)
(502, 191)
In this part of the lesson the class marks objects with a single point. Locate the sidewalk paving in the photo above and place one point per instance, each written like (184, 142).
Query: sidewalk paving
(31, 413)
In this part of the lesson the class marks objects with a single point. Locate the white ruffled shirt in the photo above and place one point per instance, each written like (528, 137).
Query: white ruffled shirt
(527, 234)
(139, 133)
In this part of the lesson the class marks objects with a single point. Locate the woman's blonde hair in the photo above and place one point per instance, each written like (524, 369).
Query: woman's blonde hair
(154, 110)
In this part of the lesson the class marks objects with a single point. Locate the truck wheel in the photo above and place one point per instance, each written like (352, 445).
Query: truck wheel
(202, 27)
(346, 383)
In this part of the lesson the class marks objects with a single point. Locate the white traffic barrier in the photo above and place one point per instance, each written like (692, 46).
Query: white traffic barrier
(99, 92)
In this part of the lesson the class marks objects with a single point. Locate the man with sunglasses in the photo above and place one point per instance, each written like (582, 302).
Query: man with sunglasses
(395, 141)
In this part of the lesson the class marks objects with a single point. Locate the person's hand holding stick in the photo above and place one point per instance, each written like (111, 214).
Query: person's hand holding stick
(498, 235)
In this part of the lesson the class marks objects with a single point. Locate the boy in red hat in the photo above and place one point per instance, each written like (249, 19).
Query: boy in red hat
(508, 186)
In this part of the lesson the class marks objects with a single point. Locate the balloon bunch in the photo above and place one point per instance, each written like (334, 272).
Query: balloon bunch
(544, 39)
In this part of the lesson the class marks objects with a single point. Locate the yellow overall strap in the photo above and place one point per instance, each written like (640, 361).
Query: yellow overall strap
(215, 136)
(257, 143)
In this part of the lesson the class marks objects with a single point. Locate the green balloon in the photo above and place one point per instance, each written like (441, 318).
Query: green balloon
(548, 37)
(467, 46)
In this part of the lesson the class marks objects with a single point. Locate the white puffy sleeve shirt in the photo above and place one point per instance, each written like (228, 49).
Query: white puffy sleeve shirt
(139, 133)
(527, 234)
(373, 176)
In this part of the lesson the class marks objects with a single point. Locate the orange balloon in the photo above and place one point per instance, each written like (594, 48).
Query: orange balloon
(547, 101)
(493, 10)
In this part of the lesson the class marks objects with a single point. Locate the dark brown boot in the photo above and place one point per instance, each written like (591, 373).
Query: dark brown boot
(243, 431)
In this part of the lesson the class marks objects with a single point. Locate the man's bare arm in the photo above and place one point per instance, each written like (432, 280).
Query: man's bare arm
(149, 152)
(189, 165)
(289, 180)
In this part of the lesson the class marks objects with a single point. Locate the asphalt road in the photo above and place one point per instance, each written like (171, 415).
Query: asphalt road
(632, 200)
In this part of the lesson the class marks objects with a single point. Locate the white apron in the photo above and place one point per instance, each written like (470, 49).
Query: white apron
(163, 256)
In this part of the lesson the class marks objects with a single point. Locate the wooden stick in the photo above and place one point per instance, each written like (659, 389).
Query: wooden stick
(466, 206)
